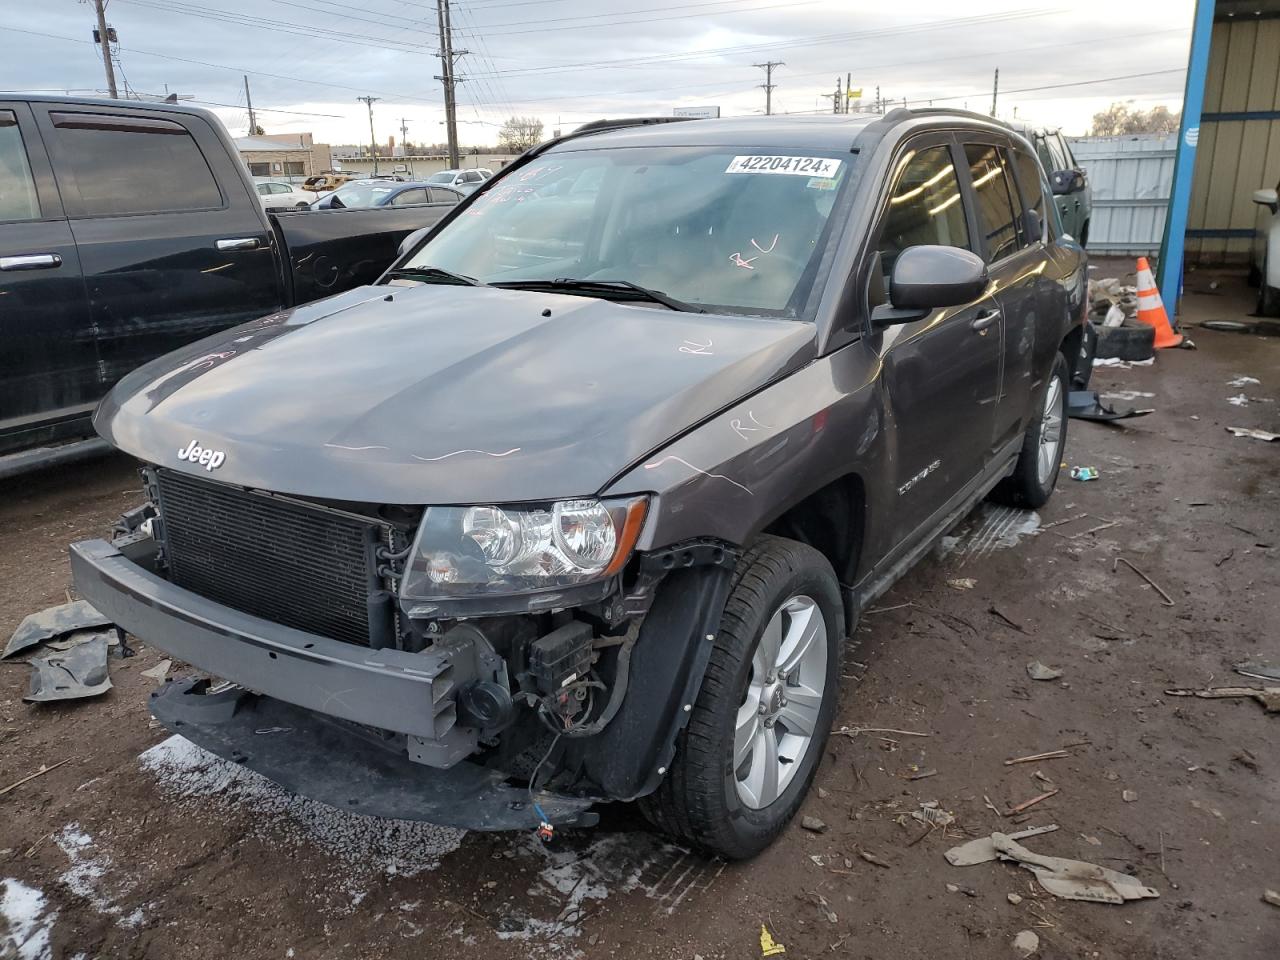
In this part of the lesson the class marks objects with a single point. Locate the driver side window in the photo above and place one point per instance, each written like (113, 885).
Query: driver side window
(924, 206)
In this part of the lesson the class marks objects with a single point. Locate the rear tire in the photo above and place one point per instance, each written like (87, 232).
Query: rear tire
(1036, 473)
(1268, 297)
(746, 713)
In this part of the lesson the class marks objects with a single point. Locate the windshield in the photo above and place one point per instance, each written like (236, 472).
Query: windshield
(362, 194)
(718, 226)
(445, 177)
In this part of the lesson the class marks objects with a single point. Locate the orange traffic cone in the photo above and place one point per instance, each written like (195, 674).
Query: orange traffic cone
(1151, 307)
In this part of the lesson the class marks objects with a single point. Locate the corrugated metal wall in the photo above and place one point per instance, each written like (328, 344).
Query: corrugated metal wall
(1131, 178)
(1239, 149)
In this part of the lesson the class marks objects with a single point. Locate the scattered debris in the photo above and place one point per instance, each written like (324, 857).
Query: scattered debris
(1068, 879)
(1258, 671)
(967, 891)
(1014, 899)
(1092, 841)
(78, 673)
(768, 946)
(51, 623)
(1026, 943)
(1271, 897)
(39, 773)
(1051, 755)
(1038, 671)
(1269, 697)
(159, 671)
(983, 850)
(1129, 796)
(1087, 405)
(1122, 364)
(854, 731)
(922, 774)
(1004, 619)
(1245, 759)
(1253, 434)
(813, 824)
(1168, 600)
(872, 858)
(1026, 804)
(933, 815)
(1084, 473)
(819, 901)
(962, 583)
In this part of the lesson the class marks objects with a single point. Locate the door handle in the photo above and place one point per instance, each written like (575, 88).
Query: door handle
(31, 261)
(240, 243)
(985, 319)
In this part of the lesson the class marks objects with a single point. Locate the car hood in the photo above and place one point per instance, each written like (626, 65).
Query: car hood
(444, 394)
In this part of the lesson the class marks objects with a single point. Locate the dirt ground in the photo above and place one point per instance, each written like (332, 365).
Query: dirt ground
(139, 846)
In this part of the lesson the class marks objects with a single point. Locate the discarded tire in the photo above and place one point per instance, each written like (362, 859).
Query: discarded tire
(1132, 340)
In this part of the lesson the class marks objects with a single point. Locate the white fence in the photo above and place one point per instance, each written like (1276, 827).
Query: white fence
(1132, 178)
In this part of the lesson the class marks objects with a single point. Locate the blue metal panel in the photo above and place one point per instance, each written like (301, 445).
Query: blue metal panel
(1184, 166)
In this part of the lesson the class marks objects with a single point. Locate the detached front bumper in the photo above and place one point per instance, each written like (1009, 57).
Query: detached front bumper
(406, 693)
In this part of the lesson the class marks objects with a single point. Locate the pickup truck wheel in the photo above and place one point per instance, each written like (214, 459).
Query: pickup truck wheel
(1036, 473)
(756, 732)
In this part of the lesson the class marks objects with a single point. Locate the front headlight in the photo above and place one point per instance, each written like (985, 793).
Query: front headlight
(480, 551)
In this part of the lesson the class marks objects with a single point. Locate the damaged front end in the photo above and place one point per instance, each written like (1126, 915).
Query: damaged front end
(484, 667)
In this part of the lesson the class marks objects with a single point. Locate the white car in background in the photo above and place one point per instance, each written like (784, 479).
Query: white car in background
(281, 195)
(464, 180)
(1266, 254)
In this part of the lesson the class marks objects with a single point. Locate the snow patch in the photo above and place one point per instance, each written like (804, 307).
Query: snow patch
(368, 844)
(87, 876)
(1122, 364)
(987, 529)
(1240, 380)
(25, 926)
(1127, 395)
(1239, 400)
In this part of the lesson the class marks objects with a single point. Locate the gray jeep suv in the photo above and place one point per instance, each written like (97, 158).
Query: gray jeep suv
(500, 538)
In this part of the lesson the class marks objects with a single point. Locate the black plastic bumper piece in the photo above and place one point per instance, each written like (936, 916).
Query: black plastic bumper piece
(394, 690)
(353, 770)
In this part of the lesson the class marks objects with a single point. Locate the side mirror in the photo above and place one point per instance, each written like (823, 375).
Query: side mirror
(927, 277)
(1268, 198)
(1033, 225)
(411, 240)
(1063, 182)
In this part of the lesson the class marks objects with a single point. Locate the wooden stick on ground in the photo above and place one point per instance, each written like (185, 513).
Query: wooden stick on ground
(1032, 802)
(39, 773)
(1051, 755)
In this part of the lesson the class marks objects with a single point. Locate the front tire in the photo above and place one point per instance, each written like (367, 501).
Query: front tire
(757, 730)
(1036, 473)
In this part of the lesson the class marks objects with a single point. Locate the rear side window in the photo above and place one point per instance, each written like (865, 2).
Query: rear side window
(123, 165)
(994, 192)
(17, 186)
(418, 195)
(442, 196)
(924, 206)
(1031, 183)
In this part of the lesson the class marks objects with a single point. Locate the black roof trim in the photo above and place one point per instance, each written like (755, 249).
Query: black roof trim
(602, 126)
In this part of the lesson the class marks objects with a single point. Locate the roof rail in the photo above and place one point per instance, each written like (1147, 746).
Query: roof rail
(601, 126)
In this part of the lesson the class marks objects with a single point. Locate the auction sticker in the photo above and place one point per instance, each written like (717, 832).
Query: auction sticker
(796, 166)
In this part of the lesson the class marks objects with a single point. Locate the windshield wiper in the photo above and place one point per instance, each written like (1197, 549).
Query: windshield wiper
(427, 274)
(569, 284)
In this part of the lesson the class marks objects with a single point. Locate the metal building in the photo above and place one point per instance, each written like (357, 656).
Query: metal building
(1229, 144)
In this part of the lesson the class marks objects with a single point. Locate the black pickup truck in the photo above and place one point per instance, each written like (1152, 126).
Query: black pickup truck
(128, 230)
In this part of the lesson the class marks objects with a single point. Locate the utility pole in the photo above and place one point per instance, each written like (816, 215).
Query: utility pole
(448, 60)
(373, 140)
(995, 91)
(848, 85)
(253, 123)
(404, 142)
(835, 101)
(105, 41)
(768, 84)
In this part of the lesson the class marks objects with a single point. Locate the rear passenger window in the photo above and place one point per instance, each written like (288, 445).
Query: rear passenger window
(122, 165)
(1031, 183)
(409, 196)
(924, 207)
(17, 187)
(994, 192)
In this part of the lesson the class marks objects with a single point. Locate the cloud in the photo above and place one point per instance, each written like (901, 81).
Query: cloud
(568, 62)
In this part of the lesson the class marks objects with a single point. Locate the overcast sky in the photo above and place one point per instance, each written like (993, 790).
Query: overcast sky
(570, 61)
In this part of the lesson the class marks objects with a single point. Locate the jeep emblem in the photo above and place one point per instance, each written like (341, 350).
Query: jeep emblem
(202, 456)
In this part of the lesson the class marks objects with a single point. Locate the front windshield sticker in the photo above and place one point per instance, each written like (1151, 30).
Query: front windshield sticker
(796, 166)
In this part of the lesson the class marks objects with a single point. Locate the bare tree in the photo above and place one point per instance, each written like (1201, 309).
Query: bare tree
(520, 133)
(1119, 120)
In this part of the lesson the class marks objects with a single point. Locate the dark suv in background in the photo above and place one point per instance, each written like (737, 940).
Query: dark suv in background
(500, 537)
